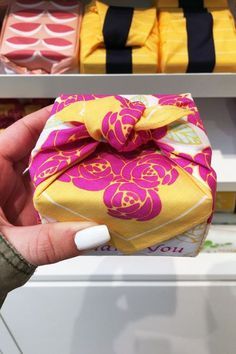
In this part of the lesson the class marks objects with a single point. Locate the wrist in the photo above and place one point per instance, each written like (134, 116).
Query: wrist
(15, 270)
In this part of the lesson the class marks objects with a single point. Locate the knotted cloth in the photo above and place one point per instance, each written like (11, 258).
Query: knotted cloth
(139, 164)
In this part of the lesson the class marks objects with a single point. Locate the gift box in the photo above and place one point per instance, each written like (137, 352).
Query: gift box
(185, 48)
(41, 37)
(118, 40)
(226, 202)
(192, 3)
(139, 164)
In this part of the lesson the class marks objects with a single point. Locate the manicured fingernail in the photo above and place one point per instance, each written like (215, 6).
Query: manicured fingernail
(92, 237)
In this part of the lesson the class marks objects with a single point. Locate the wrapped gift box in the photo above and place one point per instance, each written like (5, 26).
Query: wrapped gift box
(139, 164)
(41, 36)
(192, 3)
(196, 41)
(118, 40)
(226, 202)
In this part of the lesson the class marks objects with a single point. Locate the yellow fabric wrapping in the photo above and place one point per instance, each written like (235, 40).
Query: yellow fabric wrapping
(174, 41)
(186, 201)
(207, 3)
(143, 38)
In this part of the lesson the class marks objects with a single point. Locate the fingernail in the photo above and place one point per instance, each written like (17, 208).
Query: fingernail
(92, 237)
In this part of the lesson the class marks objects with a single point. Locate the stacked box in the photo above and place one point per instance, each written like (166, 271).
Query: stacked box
(196, 37)
(118, 40)
(41, 36)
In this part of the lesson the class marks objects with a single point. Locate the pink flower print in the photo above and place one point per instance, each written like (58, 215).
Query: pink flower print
(196, 120)
(181, 101)
(117, 127)
(48, 168)
(159, 133)
(149, 170)
(184, 161)
(203, 159)
(125, 200)
(175, 100)
(94, 174)
(60, 150)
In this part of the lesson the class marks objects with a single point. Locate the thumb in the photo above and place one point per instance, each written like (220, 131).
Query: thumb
(50, 243)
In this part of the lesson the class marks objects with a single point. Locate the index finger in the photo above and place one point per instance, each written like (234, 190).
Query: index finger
(19, 139)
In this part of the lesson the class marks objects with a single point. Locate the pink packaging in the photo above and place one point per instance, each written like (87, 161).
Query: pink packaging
(41, 37)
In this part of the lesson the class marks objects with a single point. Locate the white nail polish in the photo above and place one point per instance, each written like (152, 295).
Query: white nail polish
(92, 237)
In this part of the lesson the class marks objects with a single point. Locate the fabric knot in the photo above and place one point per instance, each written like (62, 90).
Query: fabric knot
(134, 124)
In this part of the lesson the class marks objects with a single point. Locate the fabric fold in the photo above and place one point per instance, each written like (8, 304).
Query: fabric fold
(183, 48)
(118, 39)
(141, 165)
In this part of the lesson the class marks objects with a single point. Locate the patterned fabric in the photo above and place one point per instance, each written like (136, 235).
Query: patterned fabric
(139, 164)
(181, 44)
(142, 39)
(41, 37)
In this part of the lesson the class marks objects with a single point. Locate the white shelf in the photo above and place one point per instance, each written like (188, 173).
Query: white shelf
(200, 85)
(219, 119)
(205, 267)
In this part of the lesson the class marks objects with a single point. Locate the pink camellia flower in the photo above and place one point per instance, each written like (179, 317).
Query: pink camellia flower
(60, 150)
(96, 173)
(125, 200)
(149, 170)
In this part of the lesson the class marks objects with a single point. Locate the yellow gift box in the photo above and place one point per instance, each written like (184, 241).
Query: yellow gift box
(118, 40)
(225, 202)
(192, 3)
(197, 41)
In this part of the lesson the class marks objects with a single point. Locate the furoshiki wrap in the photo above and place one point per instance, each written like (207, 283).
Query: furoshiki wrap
(197, 40)
(118, 40)
(139, 164)
(192, 3)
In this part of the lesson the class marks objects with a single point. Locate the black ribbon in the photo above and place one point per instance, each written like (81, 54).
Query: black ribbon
(201, 46)
(191, 4)
(115, 32)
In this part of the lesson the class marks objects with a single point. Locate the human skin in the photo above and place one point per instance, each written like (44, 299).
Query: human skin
(38, 244)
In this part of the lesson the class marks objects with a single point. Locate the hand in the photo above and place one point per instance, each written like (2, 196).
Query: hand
(38, 244)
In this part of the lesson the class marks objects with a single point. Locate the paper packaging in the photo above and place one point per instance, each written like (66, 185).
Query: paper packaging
(139, 164)
(41, 37)
(102, 53)
(184, 49)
